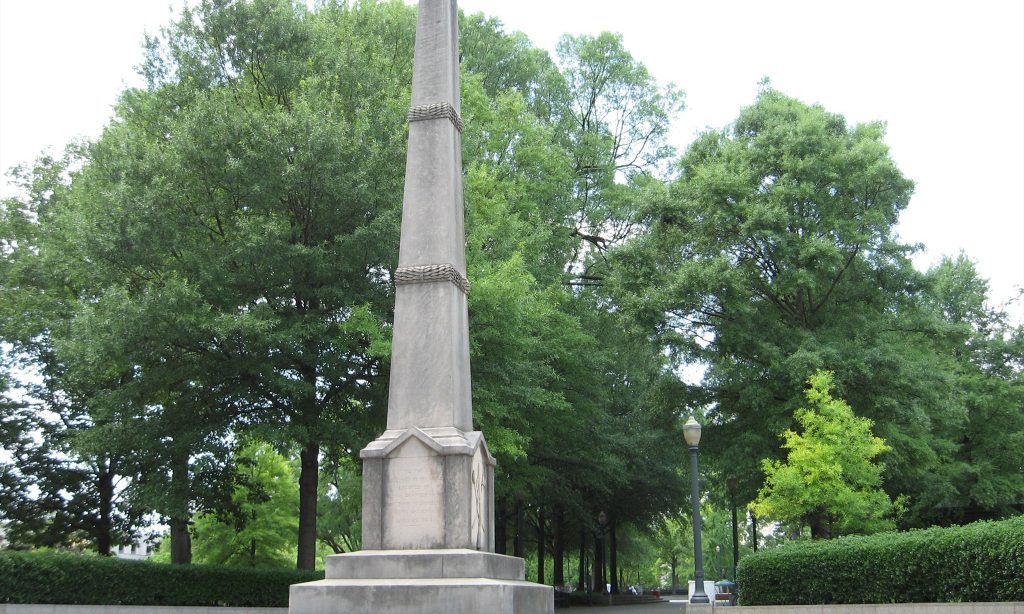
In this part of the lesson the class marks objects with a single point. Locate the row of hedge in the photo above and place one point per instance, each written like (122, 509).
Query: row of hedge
(47, 577)
(983, 561)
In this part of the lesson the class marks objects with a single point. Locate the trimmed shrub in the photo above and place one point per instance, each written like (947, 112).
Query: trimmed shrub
(73, 579)
(983, 561)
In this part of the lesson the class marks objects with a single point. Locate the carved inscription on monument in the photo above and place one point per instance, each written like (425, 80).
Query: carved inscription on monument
(414, 516)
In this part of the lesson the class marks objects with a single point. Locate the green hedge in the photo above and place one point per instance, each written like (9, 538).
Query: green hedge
(47, 577)
(983, 561)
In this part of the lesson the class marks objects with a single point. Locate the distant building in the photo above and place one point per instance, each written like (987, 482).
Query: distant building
(138, 550)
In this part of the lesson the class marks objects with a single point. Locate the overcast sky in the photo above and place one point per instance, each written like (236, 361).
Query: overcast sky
(947, 77)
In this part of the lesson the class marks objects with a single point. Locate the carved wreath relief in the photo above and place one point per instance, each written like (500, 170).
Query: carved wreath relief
(476, 524)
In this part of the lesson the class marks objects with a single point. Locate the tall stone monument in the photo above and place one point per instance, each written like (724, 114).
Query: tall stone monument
(428, 480)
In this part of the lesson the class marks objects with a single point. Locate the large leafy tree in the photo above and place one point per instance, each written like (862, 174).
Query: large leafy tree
(773, 256)
(240, 213)
(615, 122)
(563, 407)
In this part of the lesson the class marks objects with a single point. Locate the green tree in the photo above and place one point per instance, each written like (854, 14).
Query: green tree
(258, 529)
(64, 484)
(672, 536)
(235, 229)
(615, 120)
(339, 510)
(773, 256)
(563, 408)
(242, 213)
(986, 355)
(830, 479)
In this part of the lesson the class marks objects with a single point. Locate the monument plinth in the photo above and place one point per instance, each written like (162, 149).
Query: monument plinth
(428, 480)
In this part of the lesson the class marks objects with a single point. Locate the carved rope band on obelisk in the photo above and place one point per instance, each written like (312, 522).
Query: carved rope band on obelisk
(437, 110)
(432, 273)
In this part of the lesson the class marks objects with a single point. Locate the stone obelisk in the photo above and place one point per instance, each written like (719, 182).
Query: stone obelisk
(428, 489)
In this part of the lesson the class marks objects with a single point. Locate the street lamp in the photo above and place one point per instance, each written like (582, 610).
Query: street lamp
(691, 433)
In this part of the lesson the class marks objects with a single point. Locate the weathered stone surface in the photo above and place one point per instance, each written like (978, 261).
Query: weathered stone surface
(406, 564)
(423, 596)
(373, 503)
(432, 209)
(430, 383)
(435, 76)
(428, 488)
(414, 485)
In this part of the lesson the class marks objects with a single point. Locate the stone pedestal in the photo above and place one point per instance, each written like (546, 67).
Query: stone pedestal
(428, 488)
(450, 581)
(428, 509)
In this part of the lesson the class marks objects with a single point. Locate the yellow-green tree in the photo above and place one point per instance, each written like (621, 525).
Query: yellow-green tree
(260, 530)
(830, 480)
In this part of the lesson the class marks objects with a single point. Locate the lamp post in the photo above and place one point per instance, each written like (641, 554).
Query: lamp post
(599, 579)
(691, 433)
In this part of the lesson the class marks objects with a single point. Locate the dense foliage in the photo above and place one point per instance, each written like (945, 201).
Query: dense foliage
(46, 577)
(216, 269)
(983, 561)
(772, 256)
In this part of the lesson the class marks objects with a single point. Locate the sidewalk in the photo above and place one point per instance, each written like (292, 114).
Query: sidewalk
(665, 607)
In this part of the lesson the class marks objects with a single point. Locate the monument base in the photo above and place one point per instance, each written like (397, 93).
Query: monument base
(453, 581)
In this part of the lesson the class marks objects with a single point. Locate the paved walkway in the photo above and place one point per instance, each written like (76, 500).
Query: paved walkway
(665, 607)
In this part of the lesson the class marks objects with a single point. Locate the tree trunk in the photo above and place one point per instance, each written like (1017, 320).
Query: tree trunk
(541, 538)
(559, 554)
(500, 530)
(309, 462)
(181, 540)
(675, 578)
(582, 584)
(105, 488)
(818, 521)
(308, 421)
(613, 559)
(517, 545)
(753, 531)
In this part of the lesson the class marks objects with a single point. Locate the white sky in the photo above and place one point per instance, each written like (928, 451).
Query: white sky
(948, 77)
